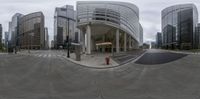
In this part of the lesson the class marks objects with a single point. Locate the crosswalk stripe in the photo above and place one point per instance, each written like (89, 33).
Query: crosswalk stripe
(45, 55)
(49, 55)
(58, 55)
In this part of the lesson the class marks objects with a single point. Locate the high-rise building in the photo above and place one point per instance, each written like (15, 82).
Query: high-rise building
(108, 26)
(159, 40)
(46, 38)
(197, 36)
(64, 25)
(14, 30)
(1, 30)
(32, 31)
(141, 36)
(6, 35)
(153, 45)
(178, 26)
(52, 44)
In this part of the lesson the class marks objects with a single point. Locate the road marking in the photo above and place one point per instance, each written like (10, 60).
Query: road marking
(49, 55)
(54, 55)
(45, 55)
(58, 55)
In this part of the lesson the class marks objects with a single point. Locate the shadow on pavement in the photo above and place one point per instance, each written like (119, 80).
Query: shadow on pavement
(159, 58)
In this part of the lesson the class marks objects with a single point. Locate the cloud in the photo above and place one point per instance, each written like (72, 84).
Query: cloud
(150, 12)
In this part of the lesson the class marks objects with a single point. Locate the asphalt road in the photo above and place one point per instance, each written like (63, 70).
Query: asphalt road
(159, 57)
(32, 77)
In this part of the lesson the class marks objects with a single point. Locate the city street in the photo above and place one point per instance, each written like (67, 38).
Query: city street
(49, 75)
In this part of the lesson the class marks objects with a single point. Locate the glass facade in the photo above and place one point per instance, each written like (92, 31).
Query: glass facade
(31, 31)
(64, 18)
(178, 26)
(159, 40)
(197, 36)
(141, 35)
(0, 34)
(14, 30)
(116, 14)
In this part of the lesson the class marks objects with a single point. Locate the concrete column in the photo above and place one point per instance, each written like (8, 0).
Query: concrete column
(125, 42)
(83, 41)
(129, 42)
(88, 31)
(117, 41)
(79, 36)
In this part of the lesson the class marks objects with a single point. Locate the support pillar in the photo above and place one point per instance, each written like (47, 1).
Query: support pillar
(125, 36)
(117, 41)
(88, 31)
(83, 42)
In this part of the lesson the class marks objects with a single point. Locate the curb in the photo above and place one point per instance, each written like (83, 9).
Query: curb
(109, 67)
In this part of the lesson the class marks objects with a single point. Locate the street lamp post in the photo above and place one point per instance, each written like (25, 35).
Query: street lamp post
(68, 32)
(68, 52)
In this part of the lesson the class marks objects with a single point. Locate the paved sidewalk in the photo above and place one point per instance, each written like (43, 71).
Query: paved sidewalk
(95, 60)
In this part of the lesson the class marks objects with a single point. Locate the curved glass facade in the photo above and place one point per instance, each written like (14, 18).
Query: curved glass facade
(124, 16)
(178, 26)
(31, 31)
(0, 33)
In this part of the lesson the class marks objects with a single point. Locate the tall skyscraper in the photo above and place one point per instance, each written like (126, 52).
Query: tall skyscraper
(159, 40)
(141, 35)
(1, 30)
(64, 24)
(46, 38)
(32, 31)
(14, 30)
(178, 26)
(52, 44)
(197, 36)
(6, 35)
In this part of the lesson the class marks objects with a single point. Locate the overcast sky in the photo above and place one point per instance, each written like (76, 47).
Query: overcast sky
(150, 12)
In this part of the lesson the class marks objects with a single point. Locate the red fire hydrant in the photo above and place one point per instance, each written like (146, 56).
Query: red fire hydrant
(107, 60)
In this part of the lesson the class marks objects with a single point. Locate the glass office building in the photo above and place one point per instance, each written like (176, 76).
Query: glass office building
(141, 35)
(14, 30)
(64, 24)
(178, 26)
(158, 40)
(1, 34)
(32, 31)
(107, 26)
(197, 36)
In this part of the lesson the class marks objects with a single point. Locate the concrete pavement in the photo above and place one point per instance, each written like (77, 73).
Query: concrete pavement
(30, 77)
